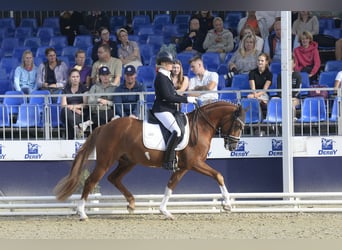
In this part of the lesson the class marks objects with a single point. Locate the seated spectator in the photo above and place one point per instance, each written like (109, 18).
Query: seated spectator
(85, 70)
(260, 79)
(269, 16)
(105, 59)
(272, 45)
(25, 74)
(248, 30)
(307, 56)
(338, 80)
(205, 18)
(128, 105)
(101, 106)
(69, 22)
(180, 81)
(193, 40)
(244, 59)
(128, 51)
(74, 110)
(203, 81)
(258, 24)
(53, 74)
(94, 21)
(305, 22)
(219, 40)
(338, 49)
(296, 84)
(104, 39)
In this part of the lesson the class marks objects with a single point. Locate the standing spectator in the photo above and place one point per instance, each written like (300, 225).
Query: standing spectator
(94, 21)
(25, 74)
(73, 110)
(305, 22)
(269, 16)
(180, 81)
(260, 79)
(219, 40)
(104, 39)
(128, 105)
(273, 42)
(307, 56)
(248, 30)
(259, 25)
(338, 49)
(193, 40)
(244, 59)
(206, 20)
(85, 70)
(53, 74)
(69, 22)
(105, 59)
(101, 106)
(128, 51)
(203, 81)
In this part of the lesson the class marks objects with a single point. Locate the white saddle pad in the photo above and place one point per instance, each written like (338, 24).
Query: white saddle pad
(153, 138)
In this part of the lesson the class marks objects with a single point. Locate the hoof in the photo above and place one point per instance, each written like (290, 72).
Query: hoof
(227, 207)
(84, 219)
(130, 210)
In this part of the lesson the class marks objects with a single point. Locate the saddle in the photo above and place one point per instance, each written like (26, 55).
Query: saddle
(155, 135)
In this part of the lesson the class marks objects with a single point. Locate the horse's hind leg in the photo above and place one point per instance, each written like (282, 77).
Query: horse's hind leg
(115, 178)
(89, 185)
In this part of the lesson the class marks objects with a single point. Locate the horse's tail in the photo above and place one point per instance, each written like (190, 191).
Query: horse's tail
(67, 186)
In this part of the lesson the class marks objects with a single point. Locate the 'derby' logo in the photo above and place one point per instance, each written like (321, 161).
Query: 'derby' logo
(2, 156)
(240, 149)
(78, 145)
(277, 148)
(327, 147)
(33, 151)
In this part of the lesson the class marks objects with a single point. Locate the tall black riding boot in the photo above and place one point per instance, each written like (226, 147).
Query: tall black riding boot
(170, 162)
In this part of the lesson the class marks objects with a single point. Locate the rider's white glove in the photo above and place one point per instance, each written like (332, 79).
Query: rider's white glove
(192, 99)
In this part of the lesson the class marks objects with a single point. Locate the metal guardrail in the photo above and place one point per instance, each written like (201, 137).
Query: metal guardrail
(179, 203)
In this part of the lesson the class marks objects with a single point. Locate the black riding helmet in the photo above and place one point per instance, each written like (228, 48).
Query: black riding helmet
(164, 56)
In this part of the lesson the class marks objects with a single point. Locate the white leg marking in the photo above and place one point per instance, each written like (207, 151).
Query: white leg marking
(226, 198)
(162, 208)
(81, 210)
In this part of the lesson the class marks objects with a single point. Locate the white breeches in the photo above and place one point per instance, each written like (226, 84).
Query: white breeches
(169, 121)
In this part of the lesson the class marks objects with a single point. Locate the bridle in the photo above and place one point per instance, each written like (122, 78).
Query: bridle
(227, 137)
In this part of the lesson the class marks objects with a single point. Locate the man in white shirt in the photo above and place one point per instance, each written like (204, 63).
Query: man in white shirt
(204, 81)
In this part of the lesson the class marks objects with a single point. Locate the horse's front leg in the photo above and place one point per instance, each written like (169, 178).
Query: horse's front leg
(81, 210)
(227, 204)
(174, 180)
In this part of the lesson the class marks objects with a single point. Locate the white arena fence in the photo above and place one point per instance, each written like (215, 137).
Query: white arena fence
(98, 204)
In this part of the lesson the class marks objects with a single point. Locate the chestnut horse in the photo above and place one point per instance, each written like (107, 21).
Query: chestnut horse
(121, 140)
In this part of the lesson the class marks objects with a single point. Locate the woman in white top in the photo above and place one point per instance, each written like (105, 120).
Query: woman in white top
(25, 74)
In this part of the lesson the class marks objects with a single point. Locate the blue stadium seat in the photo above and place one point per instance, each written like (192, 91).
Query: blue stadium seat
(13, 99)
(4, 117)
(3, 33)
(313, 110)
(28, 116)
(9, 24)
(83, 42)
(18, 52)
(146, 52)
(335, 32)
(52, 22)
(334, 110)
(221, 82)
(139, 20)
(69, 51)
(228, 96)
(5, 85)
(144, 31)
(241, 82)
(182, 19)
(274, 111)
(232, 18)
(187, 107)
(275, 67)
(116, 22)
(22, 32)
(253, 114)
(146, 74)
(305, 84)
(58, 43)
(184, 57)
(160, 20)
(9, 63)
(171, 31)
(211, 60)
(328, 78)
(45, 34)
(156, 40)
(33, 43)
(333, 65)
(8, 44)
(29, 22)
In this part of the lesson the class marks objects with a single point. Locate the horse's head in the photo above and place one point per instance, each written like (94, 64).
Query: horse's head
(231, 131)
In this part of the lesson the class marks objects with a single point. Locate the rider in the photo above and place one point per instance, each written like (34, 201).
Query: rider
(165, 105)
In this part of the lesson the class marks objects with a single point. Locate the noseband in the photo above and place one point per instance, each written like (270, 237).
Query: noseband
(232, 138)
